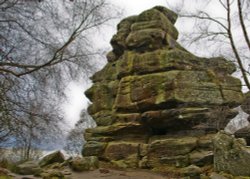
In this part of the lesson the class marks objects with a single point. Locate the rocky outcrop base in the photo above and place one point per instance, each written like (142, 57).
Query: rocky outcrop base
(231, 155)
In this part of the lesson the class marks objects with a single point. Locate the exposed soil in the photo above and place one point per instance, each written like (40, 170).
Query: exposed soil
(106, 174)
(117, 174)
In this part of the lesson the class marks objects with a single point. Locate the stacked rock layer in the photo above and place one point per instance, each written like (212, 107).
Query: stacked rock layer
(155, 103)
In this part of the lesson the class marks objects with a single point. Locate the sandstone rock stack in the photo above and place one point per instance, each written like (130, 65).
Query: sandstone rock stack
(155, 103)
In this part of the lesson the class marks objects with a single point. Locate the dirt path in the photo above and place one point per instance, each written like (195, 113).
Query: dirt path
(106, 174)
(116, 174)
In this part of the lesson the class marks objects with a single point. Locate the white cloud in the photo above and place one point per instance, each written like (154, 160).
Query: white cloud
(133, 7)
(75, 103)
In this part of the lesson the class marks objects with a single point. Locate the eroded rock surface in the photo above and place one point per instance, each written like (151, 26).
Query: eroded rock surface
(155, 103)
(29, 168)
(55, 157)
(231, 155)
(84, 164)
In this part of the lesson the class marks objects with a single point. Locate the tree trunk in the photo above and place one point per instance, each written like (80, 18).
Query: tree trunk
(232, 43)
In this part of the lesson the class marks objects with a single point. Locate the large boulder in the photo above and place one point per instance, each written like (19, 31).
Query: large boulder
(192, 171)
(231, 155)
(123, 154)
(155, 103)
(84, 164)
(55, 157)
(52, 174)
(29, 168)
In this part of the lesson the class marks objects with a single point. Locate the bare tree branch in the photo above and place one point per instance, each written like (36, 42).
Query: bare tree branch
(229, 30)
(204, 16)
(43, 46)
(242, 23)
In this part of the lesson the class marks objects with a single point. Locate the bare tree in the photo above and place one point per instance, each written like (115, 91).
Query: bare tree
(52, 40)
(43, 45)
(32, 133)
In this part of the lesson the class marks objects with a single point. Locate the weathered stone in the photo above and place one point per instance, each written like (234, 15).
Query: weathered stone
(111, 56)
(52, 158)
(84, 164)
(205, 142)
(175, 119)
(201, 158)
(230, 155)
(154, 24)
(221, 65)
(192, 171)
(57, 165)
(168, 59)
(121, 150)
(125, 118)
(103, 118)
(161, 146)
(118, 40)
(104, 94)
(176, 161)
(29, 168)
(170, 151)
(130, 162)
(171, 88)
(143, 163)
(217, 176)
(146, 39)
(118, 131)
(122, 154)
(93, 148)
(172, 16)
(156, 105)
(98, 139)
(154, 14)
(143, 150)
(125, 24)
(52, 174)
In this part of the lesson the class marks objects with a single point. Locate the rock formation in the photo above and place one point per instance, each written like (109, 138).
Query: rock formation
(231, 155)
(155, 103)
(84, 164)
(29, 168)
(55, 157)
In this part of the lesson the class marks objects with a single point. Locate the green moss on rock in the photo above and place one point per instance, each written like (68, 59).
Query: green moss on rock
(230, 155)
(153, 86)
(84, 164)
(29, 168)
(56, 157)
(93, 148)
